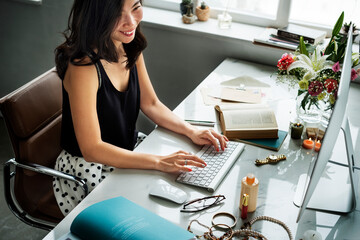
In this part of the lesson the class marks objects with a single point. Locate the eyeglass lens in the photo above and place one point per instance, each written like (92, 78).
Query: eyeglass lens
(204, 202)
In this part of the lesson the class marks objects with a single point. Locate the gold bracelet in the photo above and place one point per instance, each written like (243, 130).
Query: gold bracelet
(221, 226)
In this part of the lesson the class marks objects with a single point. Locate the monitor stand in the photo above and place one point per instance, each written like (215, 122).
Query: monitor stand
(335, 191)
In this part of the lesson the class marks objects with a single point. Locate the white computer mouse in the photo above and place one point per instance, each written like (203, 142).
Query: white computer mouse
(167, 191)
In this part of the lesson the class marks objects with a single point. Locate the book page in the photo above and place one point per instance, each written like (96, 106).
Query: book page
(249, 118)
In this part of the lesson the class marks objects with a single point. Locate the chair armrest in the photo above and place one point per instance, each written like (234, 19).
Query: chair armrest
(49, 171)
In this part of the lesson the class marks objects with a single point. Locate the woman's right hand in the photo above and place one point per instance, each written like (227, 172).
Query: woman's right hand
(179, 162)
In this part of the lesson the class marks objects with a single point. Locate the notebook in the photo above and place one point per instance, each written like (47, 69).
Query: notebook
(269, 143)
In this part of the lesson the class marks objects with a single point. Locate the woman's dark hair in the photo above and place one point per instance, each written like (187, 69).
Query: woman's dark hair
(91, 23)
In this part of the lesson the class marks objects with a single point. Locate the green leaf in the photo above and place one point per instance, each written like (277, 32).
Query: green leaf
(338, 25)
(330, 48)
(302, 46)
(304, 101)
(335, 32)
(300, 91)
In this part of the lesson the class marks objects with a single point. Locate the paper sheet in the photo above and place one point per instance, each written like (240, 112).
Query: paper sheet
(246, 82)
(244, 89)
(237, 95)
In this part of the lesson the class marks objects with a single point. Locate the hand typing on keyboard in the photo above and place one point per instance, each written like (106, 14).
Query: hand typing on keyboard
(218, 165)
(180, 162)
(209, 137)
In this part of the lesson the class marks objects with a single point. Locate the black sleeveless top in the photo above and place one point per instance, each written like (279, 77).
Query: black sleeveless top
(117, 113)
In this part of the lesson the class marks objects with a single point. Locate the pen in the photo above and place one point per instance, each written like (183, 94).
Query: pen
(201, 123)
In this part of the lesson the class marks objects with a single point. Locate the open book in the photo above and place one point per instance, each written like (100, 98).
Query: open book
(122, 219)
(247, 121)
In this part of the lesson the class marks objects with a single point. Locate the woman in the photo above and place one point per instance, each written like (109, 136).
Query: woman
(105, 83)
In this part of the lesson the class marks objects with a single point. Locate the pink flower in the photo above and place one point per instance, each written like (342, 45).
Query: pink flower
(336, 67)
(285, 61)
(353, 74)
(315, 88)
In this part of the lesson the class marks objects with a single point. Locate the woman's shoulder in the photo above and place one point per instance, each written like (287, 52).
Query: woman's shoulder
(81, 73)
(81, 67)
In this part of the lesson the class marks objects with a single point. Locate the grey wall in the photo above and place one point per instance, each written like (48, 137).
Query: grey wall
(28, 37)
(177, 61)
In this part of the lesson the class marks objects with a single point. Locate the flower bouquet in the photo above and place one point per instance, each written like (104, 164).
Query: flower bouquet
(316, 70)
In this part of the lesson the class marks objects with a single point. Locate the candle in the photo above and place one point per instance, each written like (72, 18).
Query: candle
(317, 145)
(296, 130)
(308, 143)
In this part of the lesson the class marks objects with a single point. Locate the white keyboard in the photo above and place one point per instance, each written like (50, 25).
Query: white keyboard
(218, 165)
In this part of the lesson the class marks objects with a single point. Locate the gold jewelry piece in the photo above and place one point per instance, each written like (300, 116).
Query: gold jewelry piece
(247, 226)
(270, 159)
(244, 231)
(222, 226)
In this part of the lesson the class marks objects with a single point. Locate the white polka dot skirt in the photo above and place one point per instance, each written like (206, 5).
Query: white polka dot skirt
(67, 193)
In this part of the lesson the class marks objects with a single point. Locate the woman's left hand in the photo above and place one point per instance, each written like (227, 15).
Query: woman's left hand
(209, 137)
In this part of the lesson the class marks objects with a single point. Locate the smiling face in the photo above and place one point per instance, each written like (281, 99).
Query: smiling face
(131, 15)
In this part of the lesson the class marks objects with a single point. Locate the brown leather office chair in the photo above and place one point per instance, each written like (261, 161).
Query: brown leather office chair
(32, 115)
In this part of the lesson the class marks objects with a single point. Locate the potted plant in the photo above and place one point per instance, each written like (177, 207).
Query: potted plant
(203, 12)
(189, 17)
(183, 6)
(345, 29)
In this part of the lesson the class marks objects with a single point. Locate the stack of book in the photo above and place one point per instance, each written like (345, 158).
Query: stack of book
(288, 38)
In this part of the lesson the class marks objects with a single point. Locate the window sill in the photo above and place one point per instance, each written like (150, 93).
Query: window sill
(171, 20)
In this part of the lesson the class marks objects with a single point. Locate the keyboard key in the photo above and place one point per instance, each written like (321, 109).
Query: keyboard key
(217, 163)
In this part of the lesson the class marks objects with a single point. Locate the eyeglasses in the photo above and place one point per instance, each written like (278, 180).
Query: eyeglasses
(202, 203)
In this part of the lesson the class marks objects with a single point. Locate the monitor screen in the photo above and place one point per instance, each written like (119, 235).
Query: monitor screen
(327, 187)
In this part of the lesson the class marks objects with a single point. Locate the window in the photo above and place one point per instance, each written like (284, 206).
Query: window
(308, 12)
(277, 13)
(256, 12)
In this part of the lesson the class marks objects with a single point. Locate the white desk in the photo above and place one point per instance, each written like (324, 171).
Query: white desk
(277, 182)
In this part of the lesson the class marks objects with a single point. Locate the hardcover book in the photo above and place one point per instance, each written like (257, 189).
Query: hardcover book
(269, 38)
(247, 121)
(293, 32)
(268, 143)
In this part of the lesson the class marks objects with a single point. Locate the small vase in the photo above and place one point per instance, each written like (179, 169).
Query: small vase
(313, 111)
(188, 19)
(202, 14)
(309, 109)
(326, 114)
(224, 20)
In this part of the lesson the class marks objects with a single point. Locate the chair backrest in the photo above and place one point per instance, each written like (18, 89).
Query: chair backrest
(32, 115)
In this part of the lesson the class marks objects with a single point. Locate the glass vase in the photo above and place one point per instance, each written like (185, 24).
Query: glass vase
(309, 109)
(326, 113)
(313, 111)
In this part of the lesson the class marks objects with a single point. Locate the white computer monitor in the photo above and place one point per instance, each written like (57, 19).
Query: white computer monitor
(330, 183)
